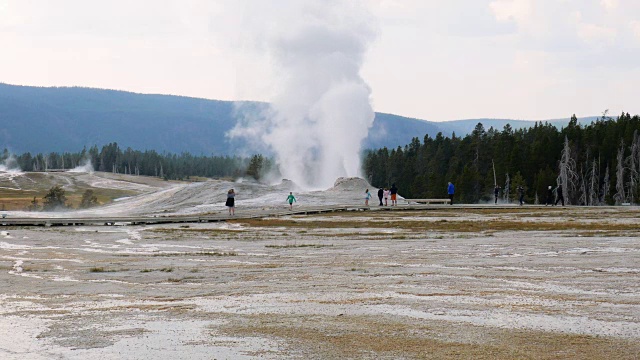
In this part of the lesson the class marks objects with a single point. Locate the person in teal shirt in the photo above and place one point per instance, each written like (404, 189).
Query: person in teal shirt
(367, 196)
(291, 199)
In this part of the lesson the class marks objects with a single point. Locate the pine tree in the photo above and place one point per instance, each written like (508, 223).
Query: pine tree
(256, 167)
(89, 199)
(55, 199)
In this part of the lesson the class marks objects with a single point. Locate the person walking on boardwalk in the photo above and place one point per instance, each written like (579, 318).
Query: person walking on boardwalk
(380, 195)
(451, 190)
(231, 202)
(521, 194)
(291, 199)
(559, 195)
(367, 196)
(386, 194)
(394, 195)
(496, 193)
(549, 196)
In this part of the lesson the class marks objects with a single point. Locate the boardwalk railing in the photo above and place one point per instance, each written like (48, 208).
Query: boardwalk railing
(428, 201)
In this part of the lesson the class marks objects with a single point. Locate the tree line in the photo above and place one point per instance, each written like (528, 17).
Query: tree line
(112, 158)
(596, 164)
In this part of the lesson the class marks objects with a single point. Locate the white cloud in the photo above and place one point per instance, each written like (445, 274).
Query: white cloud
(512, 10)
(596, 34)
(634, 25)
(433, 59)
(610, 5)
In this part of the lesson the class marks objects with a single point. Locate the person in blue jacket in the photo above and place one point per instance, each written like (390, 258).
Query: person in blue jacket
(451, 190)
(367, 196)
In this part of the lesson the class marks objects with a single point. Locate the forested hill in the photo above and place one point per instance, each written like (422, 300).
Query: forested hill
(43, 120)
(66, 119)
(36, 119)
(596, 164)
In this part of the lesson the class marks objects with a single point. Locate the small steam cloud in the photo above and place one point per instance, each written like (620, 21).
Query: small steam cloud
(10, 165)
(320, 107)
(85, 167)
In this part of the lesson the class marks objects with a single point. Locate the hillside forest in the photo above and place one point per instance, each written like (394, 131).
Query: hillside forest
(112, 158)
(597, 164)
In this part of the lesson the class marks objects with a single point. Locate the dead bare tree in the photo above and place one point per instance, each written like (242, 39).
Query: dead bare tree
(568, 177)
(583, 198)
(507, 189)
(620, 196)
(606, 186)
(632, 166)
(593, 184)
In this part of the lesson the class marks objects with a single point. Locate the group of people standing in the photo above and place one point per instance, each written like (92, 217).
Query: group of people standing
(559, 196)
(520, 189)
(384, 194)
(392, 193)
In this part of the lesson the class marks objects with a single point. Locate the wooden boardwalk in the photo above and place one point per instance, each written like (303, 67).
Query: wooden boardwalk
(223, 216)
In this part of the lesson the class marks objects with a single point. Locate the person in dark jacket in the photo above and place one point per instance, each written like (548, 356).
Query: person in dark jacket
(380, 195)
(394, 195)
(496, 193)
(521, 193)
(231, 202)
(559, 195)
(549, 196)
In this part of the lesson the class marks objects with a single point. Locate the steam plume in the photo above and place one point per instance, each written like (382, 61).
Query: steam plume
(85, 167)
(320, 109)
(10, 164)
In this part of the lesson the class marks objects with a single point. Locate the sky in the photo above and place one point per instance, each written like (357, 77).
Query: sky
(430, 59)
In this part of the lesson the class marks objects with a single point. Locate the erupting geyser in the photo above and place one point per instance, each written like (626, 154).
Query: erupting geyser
(320, 111)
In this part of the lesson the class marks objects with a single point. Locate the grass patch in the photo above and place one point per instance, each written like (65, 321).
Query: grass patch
(188, 230)
(270, 266)
(198, 253)
(216, 253)
(291, 246)
(37, 184)
(97, 269)
(467, 226)
(167, 269)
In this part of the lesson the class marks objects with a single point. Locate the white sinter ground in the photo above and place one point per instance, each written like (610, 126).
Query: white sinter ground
(158, 198)
(488, 283)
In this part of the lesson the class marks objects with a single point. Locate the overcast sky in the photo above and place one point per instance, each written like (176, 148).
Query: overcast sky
(431, 59)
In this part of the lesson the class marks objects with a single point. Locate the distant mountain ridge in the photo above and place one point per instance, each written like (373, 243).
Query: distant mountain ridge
(463, 127)
(48, 119)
